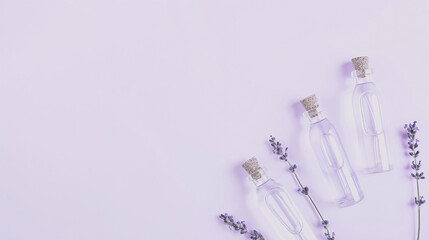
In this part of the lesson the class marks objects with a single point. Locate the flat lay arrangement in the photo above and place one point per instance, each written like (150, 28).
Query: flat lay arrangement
(343, 183)
(225, 119)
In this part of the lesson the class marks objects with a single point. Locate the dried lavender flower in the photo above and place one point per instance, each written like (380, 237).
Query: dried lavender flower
(278, 150)
(413, 144)
(254, 235)
(325, 223)
(332, 237)
(304, 190)
(420, 201)
(240, 226)
(293, 168)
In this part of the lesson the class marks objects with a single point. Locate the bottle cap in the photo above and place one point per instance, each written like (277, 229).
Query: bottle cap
(252, 168)
(310, 104)
(360, 64)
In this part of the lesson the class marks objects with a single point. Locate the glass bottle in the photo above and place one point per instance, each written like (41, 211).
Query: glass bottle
(332, 157)
(369, 122)
(277, 202)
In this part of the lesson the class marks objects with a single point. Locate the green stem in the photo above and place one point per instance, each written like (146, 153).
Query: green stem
(320, 215)
(418, 211)
(418, 197)
(311, 199)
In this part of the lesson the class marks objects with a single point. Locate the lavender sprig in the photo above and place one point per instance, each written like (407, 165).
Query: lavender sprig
(278, 150)
(240, 226)
(413, 144)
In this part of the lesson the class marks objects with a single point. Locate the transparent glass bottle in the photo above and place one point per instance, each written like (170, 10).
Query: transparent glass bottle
(369, 122)
(332, 157)
(278, 203)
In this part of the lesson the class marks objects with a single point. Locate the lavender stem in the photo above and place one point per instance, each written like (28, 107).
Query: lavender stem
(413, 144)
(277, 149)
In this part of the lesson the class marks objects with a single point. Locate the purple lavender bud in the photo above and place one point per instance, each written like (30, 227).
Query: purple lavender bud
(325, 223)
(305, 190)
(240, 226)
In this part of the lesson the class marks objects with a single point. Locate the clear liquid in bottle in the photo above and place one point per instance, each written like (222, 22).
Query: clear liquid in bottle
(369, 122)
(332, 157)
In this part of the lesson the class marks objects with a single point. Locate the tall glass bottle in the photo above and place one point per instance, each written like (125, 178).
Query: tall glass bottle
(332, 157)
(369, 122)
(278, 203)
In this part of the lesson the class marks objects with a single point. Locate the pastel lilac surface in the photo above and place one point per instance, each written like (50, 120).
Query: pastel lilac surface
(130, 119)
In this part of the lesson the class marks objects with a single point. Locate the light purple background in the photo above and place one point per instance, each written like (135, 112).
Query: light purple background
(130, 119)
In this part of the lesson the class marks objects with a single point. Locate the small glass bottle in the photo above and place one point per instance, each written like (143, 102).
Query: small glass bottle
(278, 203)
(369, 122)
(332, 157)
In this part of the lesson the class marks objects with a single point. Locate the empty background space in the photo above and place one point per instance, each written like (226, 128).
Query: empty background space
(130, 119)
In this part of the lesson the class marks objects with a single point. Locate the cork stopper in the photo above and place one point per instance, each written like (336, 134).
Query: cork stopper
(252, 168)
(310, 104)
(360, 64)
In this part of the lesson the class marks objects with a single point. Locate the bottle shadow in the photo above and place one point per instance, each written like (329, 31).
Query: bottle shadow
(346, 69)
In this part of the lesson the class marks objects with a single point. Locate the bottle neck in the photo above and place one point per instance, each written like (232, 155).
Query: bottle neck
(261, 178)
(317, 118)
(362, 77)
(315, 115)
